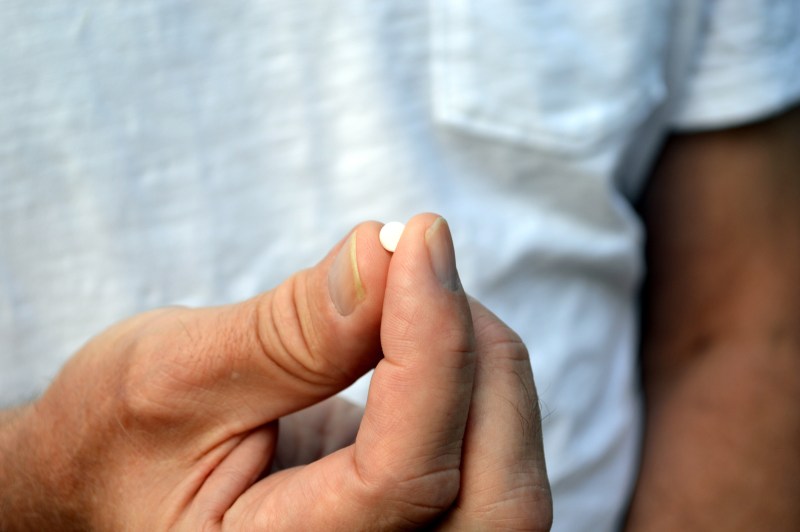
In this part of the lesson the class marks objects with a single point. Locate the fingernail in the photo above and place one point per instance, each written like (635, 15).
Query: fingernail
(344, 282)
(443, 257)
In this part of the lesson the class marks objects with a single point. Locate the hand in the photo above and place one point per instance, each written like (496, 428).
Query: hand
(503, 480)
(170, 419)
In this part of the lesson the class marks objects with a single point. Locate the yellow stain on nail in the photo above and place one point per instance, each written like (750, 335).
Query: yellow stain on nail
(434, 227)
(361, 293)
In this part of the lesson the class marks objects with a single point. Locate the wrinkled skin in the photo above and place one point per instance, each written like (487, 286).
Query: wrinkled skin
(220, 418)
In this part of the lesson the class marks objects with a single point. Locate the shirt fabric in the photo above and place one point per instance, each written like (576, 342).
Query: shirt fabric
(172, 152)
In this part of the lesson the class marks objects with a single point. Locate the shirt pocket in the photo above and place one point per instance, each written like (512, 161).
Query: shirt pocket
(562, 75)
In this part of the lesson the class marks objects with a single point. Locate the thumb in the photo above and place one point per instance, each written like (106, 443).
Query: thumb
(255, 361)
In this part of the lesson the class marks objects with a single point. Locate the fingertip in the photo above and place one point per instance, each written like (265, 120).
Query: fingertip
(372, 261)
(356, 270)
(416, 226)
(423, 268)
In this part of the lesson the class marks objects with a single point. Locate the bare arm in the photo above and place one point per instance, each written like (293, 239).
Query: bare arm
(721, 344)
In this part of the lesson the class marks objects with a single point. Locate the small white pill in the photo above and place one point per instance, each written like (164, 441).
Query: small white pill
(390, 235)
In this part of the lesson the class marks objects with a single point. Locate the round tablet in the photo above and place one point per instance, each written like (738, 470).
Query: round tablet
(390, 235)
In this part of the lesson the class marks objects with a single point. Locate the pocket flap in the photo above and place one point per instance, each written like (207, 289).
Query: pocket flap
(561, 75)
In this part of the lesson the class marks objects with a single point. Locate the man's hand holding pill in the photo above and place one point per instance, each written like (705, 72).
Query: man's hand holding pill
(185, 418)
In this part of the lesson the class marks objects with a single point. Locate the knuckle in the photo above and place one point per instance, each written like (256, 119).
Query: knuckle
(413, 500)
(503, 342)
(525, 508)
(288, 334)
(412, 327)
(495, 336)
(160, 360)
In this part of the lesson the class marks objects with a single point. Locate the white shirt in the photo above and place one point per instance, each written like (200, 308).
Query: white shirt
(164, 152)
